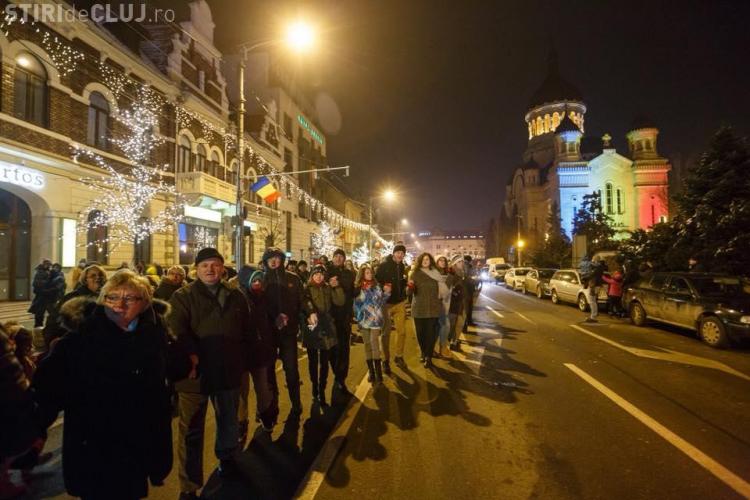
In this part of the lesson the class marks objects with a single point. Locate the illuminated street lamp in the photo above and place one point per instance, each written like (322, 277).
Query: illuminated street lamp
(299, 37)
(519, 245)
(388, 195)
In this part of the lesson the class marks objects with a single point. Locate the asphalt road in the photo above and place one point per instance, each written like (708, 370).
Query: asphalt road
(539, 405)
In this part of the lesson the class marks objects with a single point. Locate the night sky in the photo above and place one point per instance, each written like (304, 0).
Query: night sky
(432, 95)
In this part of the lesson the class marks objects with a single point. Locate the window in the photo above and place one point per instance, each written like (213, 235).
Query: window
(288, 160)
(97, 239)
(200, 159)
(30, 92)
(98, 129)
(657, 282)
(218, 171)
(679, 286)
(193, 238)
(288, 127)
(608, 198)
(619, 201)
(184, 155)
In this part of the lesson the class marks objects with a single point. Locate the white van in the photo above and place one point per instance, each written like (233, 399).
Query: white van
(497, 268)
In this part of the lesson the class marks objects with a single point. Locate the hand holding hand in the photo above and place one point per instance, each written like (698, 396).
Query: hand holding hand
(281, 321)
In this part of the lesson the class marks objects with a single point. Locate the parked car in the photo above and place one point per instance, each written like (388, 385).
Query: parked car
(497, 272)
(515, 277)
(715, 306)
(537, 282)
(565, 286)
(484, 273)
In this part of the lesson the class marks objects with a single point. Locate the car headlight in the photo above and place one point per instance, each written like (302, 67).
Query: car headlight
(745, 319)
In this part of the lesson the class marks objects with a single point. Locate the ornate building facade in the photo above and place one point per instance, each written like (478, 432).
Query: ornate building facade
(561, 165)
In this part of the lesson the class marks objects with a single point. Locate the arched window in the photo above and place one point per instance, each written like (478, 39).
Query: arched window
(609, 198)
(30, 91)
(219, 171)
(619, 201)
(184, 155)
(200, 159)
(97, 244)
(98, 130)
(231, 174)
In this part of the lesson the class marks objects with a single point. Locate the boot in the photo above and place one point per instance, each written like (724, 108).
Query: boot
(445, 352)
(387, 367)
(371, 370)
(378, 371)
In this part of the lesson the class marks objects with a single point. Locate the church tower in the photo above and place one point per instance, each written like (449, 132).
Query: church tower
(568, 141)
(554, 100)
(650, 173)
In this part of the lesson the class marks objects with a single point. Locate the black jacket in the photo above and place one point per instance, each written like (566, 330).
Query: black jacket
(395, 274)
(221, 336)
(112, 386)
(165, 290)
(285, 295)
(54, 328)
(17, 429)
(346, 282)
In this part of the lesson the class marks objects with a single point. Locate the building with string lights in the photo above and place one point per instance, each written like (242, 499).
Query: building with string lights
(561, 165)
(118, 145)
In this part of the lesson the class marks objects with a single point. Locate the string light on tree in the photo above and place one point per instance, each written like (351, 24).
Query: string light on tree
(324, 240)
(361, 255)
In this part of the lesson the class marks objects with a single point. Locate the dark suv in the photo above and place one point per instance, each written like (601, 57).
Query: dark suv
(716, 306)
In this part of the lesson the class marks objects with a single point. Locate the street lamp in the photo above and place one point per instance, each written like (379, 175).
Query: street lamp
(299, 37)
(387, 195)
(519, 245)
(404, 222)
(520, 242)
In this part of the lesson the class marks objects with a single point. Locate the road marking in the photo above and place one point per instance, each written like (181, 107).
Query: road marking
(491, 299)
(669, 355)
(722, 473)
(527, 319)
(495, 312)
(315, 476)
(501, 305)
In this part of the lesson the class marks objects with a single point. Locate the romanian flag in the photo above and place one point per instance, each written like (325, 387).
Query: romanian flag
(265, 190)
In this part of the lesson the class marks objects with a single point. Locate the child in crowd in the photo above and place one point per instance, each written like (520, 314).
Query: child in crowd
(369, 300)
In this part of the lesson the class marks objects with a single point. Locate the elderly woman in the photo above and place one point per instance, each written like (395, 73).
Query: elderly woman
(108, 375)
(173, 281)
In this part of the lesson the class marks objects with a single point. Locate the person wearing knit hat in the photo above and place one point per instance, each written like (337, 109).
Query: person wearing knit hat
(392, 271)
(286, 301)
(342, 316)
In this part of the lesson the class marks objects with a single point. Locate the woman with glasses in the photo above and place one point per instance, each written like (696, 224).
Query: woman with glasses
(108, 375)
(89, 284)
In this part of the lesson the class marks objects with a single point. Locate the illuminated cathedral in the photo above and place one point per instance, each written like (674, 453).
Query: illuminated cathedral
(560, 165)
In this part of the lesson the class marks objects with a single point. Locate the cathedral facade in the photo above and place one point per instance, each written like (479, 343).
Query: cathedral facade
(561, 165)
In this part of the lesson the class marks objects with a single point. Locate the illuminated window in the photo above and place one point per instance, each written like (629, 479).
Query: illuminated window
(546, 123)
(30, 90)
(98, 127)
(608, 198)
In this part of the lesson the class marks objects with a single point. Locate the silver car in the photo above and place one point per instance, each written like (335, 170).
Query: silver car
(537, 282)
(515, 278)
(565, 286)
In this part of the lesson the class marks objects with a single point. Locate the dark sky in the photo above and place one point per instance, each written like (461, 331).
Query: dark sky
(433, 94)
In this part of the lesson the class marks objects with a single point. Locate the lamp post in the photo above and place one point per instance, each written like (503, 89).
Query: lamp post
(519, 241)
(300, 37)
(388, 195)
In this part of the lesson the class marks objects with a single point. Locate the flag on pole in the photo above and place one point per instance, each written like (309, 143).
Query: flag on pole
(265, 190)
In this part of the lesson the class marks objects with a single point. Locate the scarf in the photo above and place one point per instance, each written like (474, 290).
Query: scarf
(443, 291)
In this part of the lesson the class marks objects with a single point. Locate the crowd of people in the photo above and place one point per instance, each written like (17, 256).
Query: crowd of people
(129, 350)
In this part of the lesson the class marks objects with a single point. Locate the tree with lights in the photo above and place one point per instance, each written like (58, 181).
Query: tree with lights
(361, 255)
(324, 240)
(124, 198)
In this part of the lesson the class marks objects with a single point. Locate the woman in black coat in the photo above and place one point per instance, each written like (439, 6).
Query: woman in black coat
(108, 375)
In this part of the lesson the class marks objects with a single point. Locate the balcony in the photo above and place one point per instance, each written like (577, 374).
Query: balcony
(201, 183)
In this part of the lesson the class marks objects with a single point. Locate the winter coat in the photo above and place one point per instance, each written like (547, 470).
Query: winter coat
(394, 273)
(322, 298)
(39, 286)
(457, 297)
(426, 302)
(285, 295)
(56, 286)
(262, 324)
(16, 411)
(165, 290)
(112, 386)
(368, 306)
(346, 278)
(615, 284)
(221, 335)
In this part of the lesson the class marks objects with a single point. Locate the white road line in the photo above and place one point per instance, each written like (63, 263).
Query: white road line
(315, 476)
(668, 355)
(490, 299)
(527, 319)
(495, 312)
(501, 305)
(722, 473)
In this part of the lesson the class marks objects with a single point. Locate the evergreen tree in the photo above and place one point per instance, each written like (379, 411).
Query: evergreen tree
(592, 222)
(713, 224)
(555, 250)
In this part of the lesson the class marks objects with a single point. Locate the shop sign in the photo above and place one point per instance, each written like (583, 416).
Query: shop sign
(21, 176)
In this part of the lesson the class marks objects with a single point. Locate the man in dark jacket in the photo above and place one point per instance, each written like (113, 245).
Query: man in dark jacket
(172, 281)
(393, 272)
(342, 318)
(40, 284)
(285, 303)
(212, 324)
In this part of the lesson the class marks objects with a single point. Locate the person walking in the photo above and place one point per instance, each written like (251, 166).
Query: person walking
(41, 303)
(342, 317)
(320, 337)
(285, 302)
(109, 376)
(457, 306)
(392, 272)
(212, 325)
(428, 289)
(369, 304)
(172, 281)
(444, 320)
(263, 360)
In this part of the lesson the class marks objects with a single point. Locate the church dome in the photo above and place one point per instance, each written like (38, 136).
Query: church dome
(554, 88)
(567, 125)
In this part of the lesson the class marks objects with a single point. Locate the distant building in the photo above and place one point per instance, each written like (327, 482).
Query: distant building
(561, 165)
(451, 243)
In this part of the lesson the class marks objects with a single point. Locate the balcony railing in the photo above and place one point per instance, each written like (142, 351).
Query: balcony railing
(205, 184)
